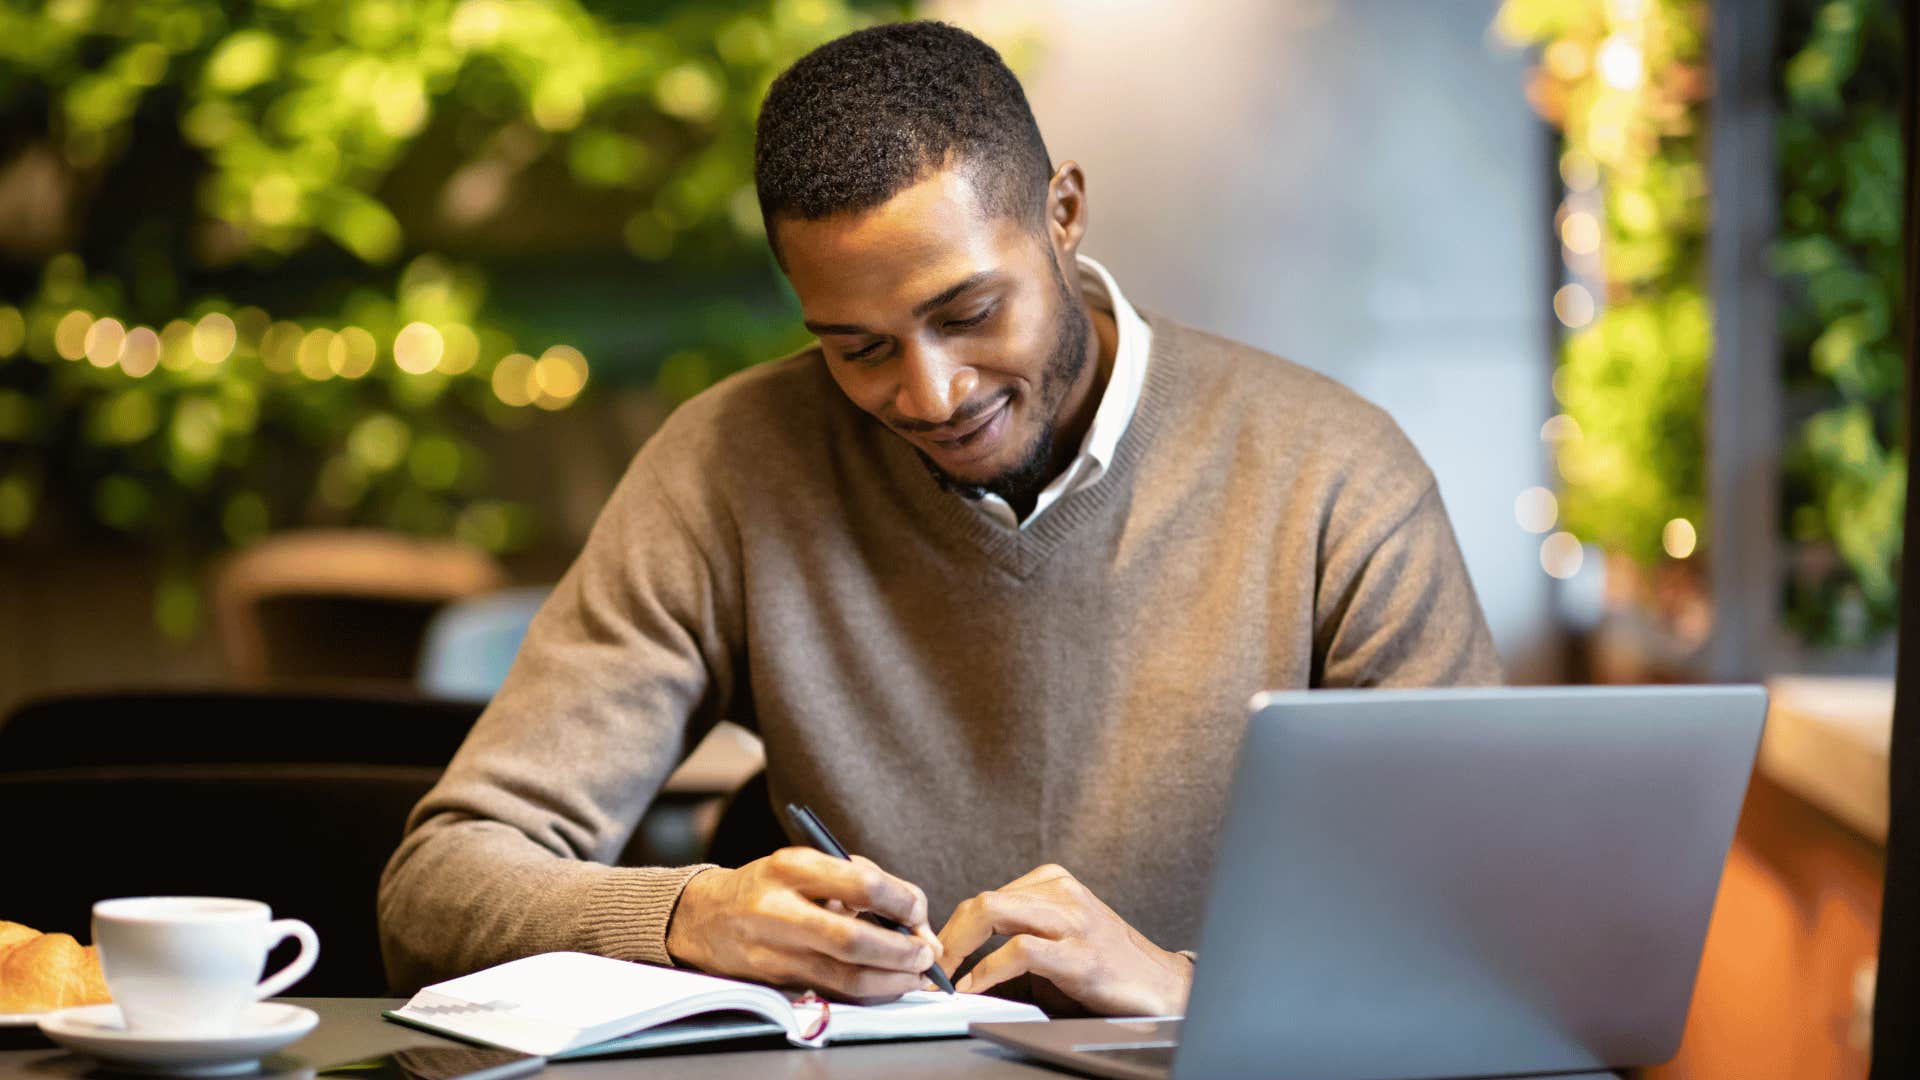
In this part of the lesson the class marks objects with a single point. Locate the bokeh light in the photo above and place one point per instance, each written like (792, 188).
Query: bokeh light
(103, 342)
(312, 357)
(512, 379)
(1679, 538)
(213, 338)
(1561, 555)
(418, 348)
(1620, 62)
(1573, 305)
(1559, 428)
(13, 330)
(1536, 509)
(1579, 171)
(70, 334)
(352, 352)
(176, 345)
(558, 377)
(141, 352)
(280, 347)
(460, 349)
(1580, 232)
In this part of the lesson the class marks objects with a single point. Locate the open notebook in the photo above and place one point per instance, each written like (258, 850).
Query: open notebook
(566, 1004)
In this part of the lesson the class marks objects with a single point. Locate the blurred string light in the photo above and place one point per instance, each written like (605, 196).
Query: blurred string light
(13, 330)
(70, 335)
(1579, 171)
(1580, 232)
(1573, 306)
(103, 341)
(1559, 428)
(1624, 81)
(141, 352)
(1561, 555)
(1679, 538)
(552, 382)
(418, 348)
(1536, 509)
(213, 337)
(1620, 62)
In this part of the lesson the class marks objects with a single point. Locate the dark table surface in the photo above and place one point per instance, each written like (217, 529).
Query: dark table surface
(352, 1029)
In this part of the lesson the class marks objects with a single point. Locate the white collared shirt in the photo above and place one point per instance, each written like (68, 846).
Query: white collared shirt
(1134, 338)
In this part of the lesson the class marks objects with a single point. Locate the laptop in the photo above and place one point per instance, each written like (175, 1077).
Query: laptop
(1449, 883)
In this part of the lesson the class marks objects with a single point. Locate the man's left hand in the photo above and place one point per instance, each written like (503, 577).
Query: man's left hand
(1058, 930)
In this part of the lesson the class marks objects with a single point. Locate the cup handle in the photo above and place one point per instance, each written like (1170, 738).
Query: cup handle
(280, 930)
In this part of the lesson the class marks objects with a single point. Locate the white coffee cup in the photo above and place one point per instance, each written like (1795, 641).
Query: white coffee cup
(189, 965)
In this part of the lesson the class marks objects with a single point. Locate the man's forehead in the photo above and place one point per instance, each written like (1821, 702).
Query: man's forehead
(922, 241)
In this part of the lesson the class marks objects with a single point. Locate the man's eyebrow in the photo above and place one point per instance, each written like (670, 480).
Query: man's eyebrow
(946, 295)
(971, 281)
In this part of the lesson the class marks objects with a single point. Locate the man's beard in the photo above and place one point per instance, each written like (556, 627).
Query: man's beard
(1067, 359)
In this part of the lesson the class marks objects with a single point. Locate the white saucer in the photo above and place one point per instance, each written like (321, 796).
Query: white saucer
(8, 1020)
(98, 1030)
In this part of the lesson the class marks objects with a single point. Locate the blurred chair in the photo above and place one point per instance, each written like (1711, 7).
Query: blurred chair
(470, 643)
(340, 603)
(293, 799)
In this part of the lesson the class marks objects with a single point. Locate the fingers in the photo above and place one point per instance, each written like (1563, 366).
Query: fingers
(920, 930)
(1002, 911)
(1023, 953)
(849, 982)
(858, 884)
(799, 924)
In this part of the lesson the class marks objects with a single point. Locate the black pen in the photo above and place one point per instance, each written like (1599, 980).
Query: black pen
(817, 835)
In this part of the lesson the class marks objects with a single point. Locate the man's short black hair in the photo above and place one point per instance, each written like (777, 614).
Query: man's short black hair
(859, 119)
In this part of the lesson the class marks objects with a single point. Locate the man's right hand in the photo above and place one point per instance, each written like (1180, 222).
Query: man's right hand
(788, 919)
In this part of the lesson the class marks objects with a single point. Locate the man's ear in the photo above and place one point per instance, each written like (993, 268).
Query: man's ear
(1067, 210)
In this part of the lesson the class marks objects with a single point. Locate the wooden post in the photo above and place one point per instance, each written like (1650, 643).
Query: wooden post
(1896, 1035)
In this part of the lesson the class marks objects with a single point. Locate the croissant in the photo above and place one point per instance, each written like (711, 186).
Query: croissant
(41, 972)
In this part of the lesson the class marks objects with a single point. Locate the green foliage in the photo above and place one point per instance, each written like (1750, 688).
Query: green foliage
(1632, 381)
(1839, 257)
(283, 336)
(217, 429)
(1625, 83)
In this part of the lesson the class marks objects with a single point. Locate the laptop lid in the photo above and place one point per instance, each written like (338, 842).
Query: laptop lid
(1443, 883)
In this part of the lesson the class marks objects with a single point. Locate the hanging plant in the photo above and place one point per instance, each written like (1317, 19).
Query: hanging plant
(1841, 168)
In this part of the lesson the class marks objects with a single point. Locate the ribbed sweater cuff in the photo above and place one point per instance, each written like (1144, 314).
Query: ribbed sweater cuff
(627, 913)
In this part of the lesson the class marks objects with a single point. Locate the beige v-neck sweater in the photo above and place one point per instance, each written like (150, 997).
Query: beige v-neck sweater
(963, 701)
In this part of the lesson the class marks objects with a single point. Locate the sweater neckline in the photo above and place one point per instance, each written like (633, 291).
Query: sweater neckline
(1020, 552)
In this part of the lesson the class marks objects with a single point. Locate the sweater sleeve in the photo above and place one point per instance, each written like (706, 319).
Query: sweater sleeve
(1395, 606)
(624, 668)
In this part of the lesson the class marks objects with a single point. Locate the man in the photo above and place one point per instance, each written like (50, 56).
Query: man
(993, 569)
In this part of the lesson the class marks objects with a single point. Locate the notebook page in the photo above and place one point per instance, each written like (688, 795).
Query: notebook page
(919, 1014)
(558, 1001)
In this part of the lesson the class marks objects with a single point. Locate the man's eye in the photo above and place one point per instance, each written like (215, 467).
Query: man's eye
(971, 320)
(861, 353)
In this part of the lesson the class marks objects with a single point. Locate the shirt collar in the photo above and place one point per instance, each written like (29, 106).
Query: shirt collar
(1133, 339)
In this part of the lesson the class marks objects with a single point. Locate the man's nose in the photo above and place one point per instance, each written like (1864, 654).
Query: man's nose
(933, 385)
